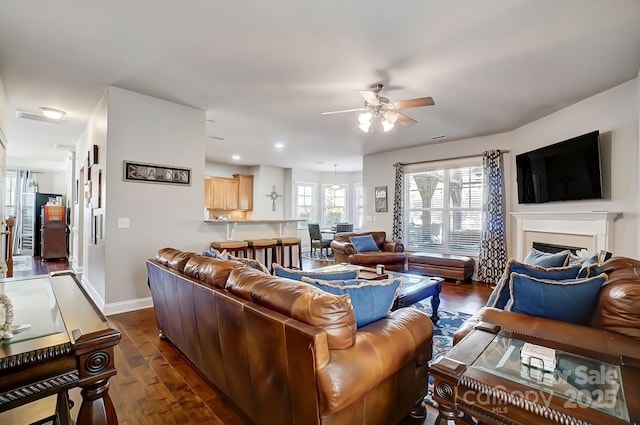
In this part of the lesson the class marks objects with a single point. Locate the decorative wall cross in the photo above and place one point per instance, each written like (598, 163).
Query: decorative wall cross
(273, 195)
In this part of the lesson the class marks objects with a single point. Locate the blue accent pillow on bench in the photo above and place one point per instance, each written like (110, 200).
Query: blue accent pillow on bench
(280, 271)
(371, 299)
(364, 243)
(571, 301)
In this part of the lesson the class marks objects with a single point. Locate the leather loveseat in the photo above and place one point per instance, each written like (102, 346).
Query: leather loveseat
(614, 325)
(391, 253)
(285, 352)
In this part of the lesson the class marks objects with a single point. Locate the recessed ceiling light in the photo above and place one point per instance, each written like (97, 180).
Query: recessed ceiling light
(279, 145)
(235, 157)
(54, 114)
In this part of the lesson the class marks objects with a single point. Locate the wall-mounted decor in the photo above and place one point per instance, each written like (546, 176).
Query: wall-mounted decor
(381, 198)
(152, 173)
(76, 191)
(93, 155)
(96, 189)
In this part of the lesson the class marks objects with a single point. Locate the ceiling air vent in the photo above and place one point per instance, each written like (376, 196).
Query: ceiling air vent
(38, 117)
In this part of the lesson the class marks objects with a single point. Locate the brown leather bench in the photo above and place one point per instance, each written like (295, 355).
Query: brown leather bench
(448, 266)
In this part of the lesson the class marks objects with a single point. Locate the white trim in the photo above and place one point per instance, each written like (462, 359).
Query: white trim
(93, 294)
(596, 224)
(126, 306)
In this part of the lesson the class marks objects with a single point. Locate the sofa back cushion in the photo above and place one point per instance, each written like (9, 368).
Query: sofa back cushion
(174, 258)
(618, 308)
(212, 271)
(301, 301)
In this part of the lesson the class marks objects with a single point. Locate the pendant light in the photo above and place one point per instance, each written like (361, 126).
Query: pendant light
(335, 185)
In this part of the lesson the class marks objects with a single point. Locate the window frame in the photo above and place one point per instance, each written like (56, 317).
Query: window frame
(358, 205)
(345, 213)
(313, 207)
(445, 245)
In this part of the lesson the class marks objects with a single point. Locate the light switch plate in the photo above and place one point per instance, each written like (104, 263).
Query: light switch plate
(123, 222)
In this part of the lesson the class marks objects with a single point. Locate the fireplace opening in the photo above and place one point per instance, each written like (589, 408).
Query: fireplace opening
(552, 248)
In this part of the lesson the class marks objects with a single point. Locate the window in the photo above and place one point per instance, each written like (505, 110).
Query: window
(444, 206)
(359, 206)
(334, 205)
(305, 203)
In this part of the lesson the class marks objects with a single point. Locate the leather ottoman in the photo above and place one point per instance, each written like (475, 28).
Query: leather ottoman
(448, 266)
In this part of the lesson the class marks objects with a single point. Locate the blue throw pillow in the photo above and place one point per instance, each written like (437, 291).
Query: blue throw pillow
(214, 253)
(364, 243)
(249, 262)
(371, 299)
(500, 295)
(544, 259)
(590, 267)
(571, 301)
(280, 271)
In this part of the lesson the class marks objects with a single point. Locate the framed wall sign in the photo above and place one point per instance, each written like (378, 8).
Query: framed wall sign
(154, 173)
(381, 198)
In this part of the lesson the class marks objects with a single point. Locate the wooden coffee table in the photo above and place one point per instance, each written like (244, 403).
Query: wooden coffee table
(414, 287)
(482, 376)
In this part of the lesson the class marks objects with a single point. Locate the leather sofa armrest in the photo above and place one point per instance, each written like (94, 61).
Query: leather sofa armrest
(585, 337)
(346, 247)
(391, 246)
(381, 349)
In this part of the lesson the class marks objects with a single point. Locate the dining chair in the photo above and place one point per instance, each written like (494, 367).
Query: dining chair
(317, 242)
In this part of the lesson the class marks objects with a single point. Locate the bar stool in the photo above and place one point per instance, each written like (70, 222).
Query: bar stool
(234, 247)
(263, 244)
(290, 242)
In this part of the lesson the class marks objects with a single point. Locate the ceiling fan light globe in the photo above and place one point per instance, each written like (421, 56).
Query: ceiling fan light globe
(52, 113)
(391, 116)
(365, 118)
(386, 125)
(364, 127)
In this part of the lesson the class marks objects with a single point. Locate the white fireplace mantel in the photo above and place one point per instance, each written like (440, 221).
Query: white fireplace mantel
(598, 225)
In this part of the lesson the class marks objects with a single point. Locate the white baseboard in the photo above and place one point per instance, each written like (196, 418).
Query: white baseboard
(115, 308)
(129, 305)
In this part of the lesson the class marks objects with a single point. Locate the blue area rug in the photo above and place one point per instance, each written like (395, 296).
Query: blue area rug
(445, 328)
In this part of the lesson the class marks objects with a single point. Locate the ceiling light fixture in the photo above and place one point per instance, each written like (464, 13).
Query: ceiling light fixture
(335, 185)
(387, 118)
(235, 157)
(52, 113)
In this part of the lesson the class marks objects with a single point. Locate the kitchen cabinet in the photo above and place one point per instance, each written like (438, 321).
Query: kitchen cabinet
(245, 191)
(221, 193)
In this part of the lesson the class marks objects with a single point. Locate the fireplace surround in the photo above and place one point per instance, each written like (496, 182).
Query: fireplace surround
(592, 230)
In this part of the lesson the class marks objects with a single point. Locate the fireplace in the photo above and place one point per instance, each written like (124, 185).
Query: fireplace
(553, 248)
(592, 231)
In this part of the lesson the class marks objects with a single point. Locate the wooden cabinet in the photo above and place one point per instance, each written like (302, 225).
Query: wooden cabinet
(245, 191)
(221, 193)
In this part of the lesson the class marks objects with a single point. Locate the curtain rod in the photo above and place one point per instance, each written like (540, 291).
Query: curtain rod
(447, 159)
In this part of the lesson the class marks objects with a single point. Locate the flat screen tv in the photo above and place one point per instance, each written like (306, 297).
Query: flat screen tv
(565, 171)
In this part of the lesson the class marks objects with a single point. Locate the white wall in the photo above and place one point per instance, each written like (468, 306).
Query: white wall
(224, 170)
(614, 112)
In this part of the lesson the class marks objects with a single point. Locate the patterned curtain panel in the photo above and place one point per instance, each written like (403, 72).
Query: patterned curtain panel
(397, 202)
(493, 246)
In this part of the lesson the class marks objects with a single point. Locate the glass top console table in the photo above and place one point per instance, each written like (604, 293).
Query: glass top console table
(56, 339)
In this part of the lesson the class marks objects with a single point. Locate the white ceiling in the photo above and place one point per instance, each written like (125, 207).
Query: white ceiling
(264, 71)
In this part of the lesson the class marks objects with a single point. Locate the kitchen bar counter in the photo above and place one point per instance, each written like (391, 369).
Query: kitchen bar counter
(231, 224)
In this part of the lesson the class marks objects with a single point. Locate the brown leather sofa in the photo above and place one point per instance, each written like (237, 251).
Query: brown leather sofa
(615, 323)
(391, 253)
(285, 352)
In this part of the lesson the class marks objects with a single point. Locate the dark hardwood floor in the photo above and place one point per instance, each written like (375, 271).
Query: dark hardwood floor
(155, 385)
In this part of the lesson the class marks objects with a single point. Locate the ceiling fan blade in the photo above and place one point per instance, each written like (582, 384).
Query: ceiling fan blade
(344, 110)
(405, 120)
(369, 97)
(414, 103)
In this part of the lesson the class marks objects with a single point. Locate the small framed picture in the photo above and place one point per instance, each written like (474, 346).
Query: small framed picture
(381, 199)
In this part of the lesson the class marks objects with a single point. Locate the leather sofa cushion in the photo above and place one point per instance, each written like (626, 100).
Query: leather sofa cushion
(618, 308)
(332, 313)
(212, 271)
(174, 258)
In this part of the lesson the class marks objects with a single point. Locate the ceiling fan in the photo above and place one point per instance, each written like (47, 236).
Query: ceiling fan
(381, 107)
